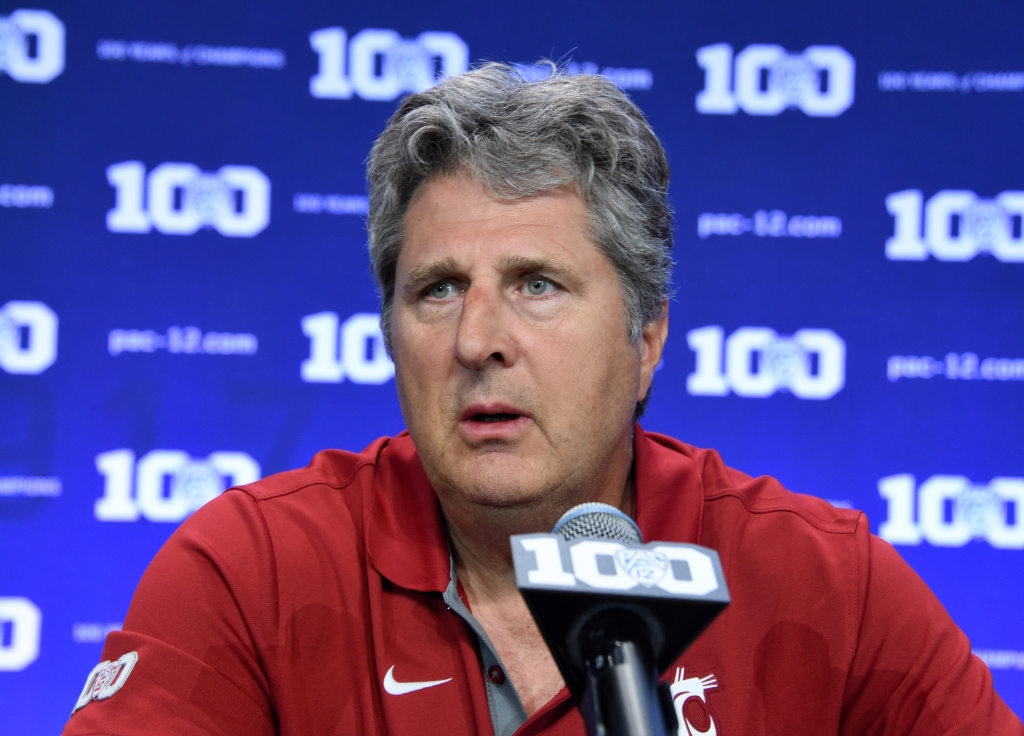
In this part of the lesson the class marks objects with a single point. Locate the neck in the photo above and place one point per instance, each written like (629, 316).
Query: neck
(479, 534)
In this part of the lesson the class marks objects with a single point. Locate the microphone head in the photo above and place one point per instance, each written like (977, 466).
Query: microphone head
(600, 521)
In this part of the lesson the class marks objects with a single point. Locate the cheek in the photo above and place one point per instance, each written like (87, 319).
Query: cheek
(416, 343)
(424, 362)
(617, 363)
(594, 365)
(415, 362)
(420, 400)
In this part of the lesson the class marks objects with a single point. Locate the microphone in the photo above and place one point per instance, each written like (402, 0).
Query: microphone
(615, 613)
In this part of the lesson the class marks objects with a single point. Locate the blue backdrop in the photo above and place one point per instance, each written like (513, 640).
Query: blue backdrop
(185, 298)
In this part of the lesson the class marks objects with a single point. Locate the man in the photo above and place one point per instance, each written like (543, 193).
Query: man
(519, 233)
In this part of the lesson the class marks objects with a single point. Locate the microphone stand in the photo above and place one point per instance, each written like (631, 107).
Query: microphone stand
(622, 695)
(610, 641)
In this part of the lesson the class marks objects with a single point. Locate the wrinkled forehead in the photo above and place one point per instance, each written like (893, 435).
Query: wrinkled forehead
(457, 219)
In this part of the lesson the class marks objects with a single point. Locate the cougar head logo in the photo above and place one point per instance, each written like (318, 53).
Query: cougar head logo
(682, 689)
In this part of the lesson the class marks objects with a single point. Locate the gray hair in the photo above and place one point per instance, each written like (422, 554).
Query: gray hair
(522, 138)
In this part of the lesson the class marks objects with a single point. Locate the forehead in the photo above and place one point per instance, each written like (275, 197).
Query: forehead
(458, 216)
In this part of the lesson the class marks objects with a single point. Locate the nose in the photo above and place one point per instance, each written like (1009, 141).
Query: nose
(483, 335)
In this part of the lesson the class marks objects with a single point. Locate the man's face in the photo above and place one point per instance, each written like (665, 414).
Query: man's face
(514, 367)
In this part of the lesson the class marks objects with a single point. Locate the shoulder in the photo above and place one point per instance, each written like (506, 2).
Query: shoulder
(268, 536)
(325, 502)
(775, 543)
(797, 569)
(275, 524)
(726, 489)
(336, 483)
(336, 469)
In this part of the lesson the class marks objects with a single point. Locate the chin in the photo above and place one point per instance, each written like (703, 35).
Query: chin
(501, 482)
(502, 498)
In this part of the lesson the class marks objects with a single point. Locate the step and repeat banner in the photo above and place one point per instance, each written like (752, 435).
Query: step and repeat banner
(186, 303)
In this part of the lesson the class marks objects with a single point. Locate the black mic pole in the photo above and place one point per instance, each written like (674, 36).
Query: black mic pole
(622, 695)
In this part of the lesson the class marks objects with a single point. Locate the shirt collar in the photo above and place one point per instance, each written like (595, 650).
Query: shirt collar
(405, 535)
(668, 488)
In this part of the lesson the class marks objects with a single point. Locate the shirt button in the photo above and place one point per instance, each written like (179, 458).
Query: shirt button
(496, 675)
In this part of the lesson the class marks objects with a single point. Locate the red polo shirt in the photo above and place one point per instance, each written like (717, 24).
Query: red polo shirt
(282, 607)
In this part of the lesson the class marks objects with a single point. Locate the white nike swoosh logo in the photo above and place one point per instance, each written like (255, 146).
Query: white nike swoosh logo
(394, 687)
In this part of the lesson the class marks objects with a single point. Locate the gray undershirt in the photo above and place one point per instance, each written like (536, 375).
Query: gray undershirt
(507, 711)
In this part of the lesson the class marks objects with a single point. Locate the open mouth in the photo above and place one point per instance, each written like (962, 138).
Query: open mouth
(498, 417)
(493, 420)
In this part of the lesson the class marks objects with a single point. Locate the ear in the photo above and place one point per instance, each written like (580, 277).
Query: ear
(652, 342)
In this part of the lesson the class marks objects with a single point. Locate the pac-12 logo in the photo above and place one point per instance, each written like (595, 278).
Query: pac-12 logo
(31, 46)
(766, 79)
(951, 511)
(353, 349)
(957, 226)
(21, 624)
(28, 337)
(758, 362)
(179, 199)
(378, 64)
(168, 484)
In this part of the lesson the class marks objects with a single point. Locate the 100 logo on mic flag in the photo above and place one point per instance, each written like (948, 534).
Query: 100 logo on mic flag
(602, 564)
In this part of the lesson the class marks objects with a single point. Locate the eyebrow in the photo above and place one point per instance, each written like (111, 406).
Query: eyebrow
(423, 276)
(541, 266)
(447, 268)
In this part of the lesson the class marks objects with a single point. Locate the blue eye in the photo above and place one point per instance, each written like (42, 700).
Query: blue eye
(442, 290)
(538, 287)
